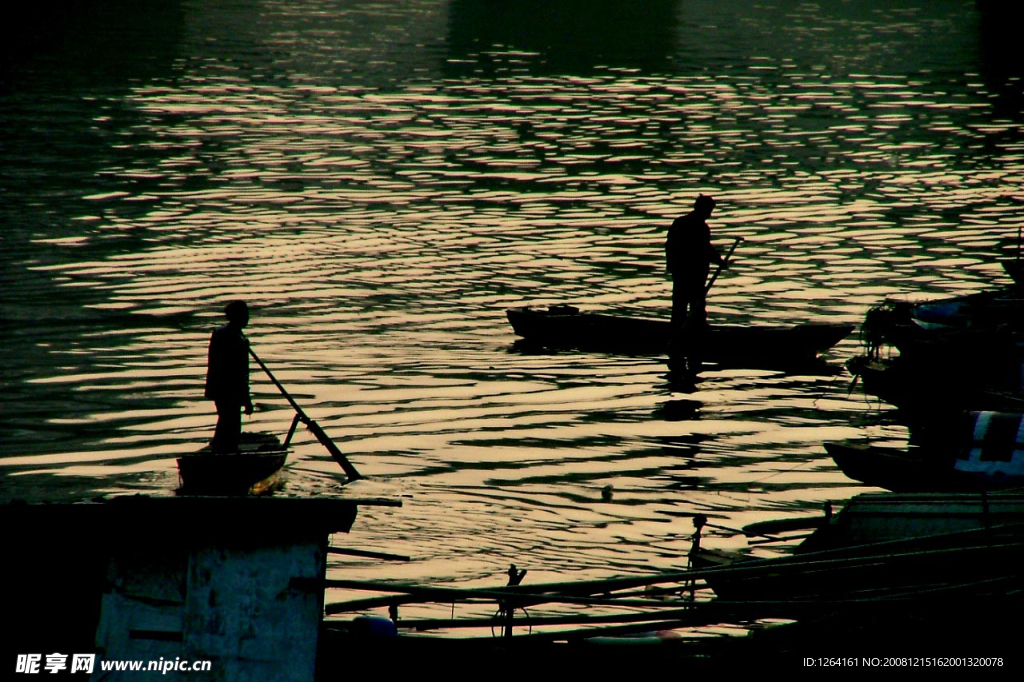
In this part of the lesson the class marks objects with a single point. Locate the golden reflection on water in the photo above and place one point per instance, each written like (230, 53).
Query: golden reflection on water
(380, 211)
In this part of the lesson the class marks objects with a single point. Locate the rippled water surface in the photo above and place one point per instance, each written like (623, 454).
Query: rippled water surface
(382, 180)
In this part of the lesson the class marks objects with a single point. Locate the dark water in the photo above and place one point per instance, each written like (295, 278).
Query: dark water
(380, 180)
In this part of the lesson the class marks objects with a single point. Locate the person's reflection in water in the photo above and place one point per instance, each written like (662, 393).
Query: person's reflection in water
(227, 377)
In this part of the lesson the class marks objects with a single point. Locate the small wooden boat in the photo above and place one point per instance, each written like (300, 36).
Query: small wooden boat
(892, 468)
(954, 325)
(967, 452)
(915, 471)
(985, 383)
(254, 470)
(566, 326)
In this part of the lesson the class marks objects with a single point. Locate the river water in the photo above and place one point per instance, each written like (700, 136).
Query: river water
(381, 180)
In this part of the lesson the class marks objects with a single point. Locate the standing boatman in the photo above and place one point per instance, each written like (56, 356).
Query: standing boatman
(227, 377)
(688, 257)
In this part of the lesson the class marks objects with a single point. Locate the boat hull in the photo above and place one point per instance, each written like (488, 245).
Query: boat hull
(567, 327)
(231, 474)
(960, 325)
(941, 387)
(254, 470)
(902, 472)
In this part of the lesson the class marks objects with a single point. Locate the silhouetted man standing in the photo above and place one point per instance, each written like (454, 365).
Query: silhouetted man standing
(688, 255)
(227, 377)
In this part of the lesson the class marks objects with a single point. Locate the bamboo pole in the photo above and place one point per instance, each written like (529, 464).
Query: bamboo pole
(699, 614)
(564, 592)
(538, 621)
(410, 594)
(749, 608)
(717, 612)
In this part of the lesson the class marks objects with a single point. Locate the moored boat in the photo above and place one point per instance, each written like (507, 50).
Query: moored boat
(921, 547)
(959, 323)
(942, 386)
(887, 563)
(912, 470)
(956, 353)
(971, 451)
(893, 468)
(565, 326)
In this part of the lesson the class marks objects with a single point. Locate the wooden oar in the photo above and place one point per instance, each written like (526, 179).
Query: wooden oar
(725, 260)
(314, 428)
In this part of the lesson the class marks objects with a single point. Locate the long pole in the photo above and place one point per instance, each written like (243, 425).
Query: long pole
(314, 428)
(725, 260)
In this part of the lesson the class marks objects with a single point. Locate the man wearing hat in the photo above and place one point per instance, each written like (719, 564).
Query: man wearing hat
(227, 377)
(688, 256)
